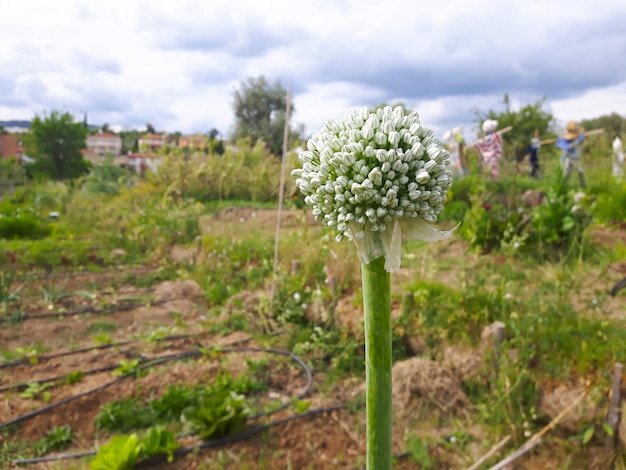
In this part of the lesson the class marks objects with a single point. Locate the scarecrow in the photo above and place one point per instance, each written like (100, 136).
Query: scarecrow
(618, 158)
(490, 146)
(535, 144)
(571, 144)
(454, 142)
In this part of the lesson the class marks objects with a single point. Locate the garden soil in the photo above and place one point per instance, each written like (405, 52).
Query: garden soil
(330, 440)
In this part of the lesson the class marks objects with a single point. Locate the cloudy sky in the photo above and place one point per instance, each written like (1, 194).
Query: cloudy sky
(175, 64)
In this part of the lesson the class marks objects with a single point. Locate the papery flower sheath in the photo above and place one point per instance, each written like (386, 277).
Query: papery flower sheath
(376, 178)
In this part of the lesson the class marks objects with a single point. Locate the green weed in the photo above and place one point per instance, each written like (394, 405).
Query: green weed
(58, 438)
(101, 327)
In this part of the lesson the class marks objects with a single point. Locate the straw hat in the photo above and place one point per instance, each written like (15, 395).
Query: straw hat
(572, 130)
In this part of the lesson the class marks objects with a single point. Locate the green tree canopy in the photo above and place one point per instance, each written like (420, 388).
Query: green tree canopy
(393, 105)
(524, 121)
(59, 139)
(613, 124)
(259, 107)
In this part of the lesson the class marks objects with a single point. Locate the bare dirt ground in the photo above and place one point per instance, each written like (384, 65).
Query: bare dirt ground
(329, 440)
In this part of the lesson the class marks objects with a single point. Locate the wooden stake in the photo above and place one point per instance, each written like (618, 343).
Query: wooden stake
(533, 441)
(281, 192)
(554, 139)
(493, 451)
(501, 131)
(498, 337)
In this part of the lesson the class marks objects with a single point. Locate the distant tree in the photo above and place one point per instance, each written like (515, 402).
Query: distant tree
(383, 104)
(105, 127)
(130, 141)
(172, 137)
(58, 138)
(3, 131)
(525, 121)
(213, 133)
(259, 107)
(612, 124)
(150, 128)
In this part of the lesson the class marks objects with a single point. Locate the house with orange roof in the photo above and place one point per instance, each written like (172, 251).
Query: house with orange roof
(10, 147)
(197, 141)
(151, 142)
(140, 162)
(104, 143)
(91, 156)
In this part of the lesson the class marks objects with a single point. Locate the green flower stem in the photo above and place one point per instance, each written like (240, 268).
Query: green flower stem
(377, 306)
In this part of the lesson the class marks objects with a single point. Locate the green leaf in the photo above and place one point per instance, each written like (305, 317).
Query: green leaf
(218, 415)
(607, 429)
(159, 441)
(587, 435)
(568, 224)
(121, 453)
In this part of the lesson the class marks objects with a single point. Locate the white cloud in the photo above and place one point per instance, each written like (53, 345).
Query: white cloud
(175, 64)
(602, 101)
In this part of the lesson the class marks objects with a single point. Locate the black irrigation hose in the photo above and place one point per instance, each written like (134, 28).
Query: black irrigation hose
(86, 310)
(163, 359)
(99, 388)
(57, 378)
(122, 266)
(39, 359)
(23, 385)
(187, 450)
(67, 296)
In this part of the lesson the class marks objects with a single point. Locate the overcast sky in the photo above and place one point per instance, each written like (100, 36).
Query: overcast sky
(175, 64)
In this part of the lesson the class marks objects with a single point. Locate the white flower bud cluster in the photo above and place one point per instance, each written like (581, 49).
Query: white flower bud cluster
(364, 170)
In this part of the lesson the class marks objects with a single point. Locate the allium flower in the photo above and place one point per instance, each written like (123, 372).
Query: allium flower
(375, 178)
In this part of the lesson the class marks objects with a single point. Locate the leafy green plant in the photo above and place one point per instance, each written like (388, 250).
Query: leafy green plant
(58, 438)
(132, 413)
(331, 347)
(159, 441)
(558, 225)
(36, 390)
(6, 281)
(22, 223)
(611, 202)
(217, 415)
(74, 377)
(53, 290)
(419, 451)
(102, 338)
(125, 415)
(101, 327)
(18, 353)
(121, 453)
(129, 366)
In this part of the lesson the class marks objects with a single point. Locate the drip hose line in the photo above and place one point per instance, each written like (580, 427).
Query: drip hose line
(172, 357)
(187, 450)
(40, 359)
(83, 311)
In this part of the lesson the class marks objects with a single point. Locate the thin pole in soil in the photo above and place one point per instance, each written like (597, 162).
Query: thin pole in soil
(281, 193)
(536, 438)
